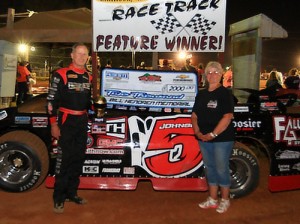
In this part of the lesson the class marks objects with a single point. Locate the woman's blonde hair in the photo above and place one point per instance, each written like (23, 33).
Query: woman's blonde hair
(214, 64)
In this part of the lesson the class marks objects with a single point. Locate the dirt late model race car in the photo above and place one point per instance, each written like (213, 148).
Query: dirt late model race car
(144, 132)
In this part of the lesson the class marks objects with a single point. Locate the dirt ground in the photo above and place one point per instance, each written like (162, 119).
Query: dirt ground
(146, 206)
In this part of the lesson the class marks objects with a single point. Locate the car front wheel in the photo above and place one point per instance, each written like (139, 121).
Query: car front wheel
(24, 161)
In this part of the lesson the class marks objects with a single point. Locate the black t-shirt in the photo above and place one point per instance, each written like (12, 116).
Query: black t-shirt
(210, 108)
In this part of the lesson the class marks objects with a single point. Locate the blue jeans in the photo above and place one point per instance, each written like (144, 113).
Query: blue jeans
(216, 161)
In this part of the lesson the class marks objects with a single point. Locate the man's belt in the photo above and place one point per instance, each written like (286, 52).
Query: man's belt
(72, 112)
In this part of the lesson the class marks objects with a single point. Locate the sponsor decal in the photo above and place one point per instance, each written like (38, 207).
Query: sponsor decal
(99, 120)
(241, 109)
(129, 170)
(90, 169)
(150, 78)
(117, 75)
(93, 151)
(98, 128)
(271, 106)
(22, 120)
(246, 125)
(296, 167)
(155, 109)
(111, 161)
(117, 128)
(134, 109)
(183, 78)
(78, 86)
(120, 107)
(111, 170)
(92, 161)
(284, 167)
(104, 142)
(286, 129)
(3, 114)
(39, 122)
(287, 154)
(56, 80)
(90, 141)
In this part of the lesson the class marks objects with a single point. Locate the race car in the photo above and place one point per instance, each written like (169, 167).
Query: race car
(143, 132)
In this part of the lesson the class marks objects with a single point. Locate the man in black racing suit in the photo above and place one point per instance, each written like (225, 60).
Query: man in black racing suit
(69, 98)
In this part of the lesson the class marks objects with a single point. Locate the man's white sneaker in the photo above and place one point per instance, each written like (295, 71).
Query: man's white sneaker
(223, 206)
(209, 203)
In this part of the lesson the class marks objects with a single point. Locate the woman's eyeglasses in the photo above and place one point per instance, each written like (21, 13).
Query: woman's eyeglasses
(213, 72)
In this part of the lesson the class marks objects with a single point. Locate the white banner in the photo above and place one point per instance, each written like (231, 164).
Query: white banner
(159, 26)
(150, 89)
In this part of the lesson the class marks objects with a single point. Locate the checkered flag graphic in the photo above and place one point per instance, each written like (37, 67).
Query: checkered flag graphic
(167, 24)
(199, 24)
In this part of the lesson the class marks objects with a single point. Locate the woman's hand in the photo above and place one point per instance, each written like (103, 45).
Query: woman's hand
(205, 138)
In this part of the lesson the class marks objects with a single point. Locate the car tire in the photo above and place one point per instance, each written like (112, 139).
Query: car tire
(244, 171)
(24, 161)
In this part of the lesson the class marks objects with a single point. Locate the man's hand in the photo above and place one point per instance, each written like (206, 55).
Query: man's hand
(55, 131)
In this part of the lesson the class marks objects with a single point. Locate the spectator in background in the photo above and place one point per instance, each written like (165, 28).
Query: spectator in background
(28, 66)
(23, 75)
(273, 80)
(188, 67)
(292, 81)
(279, 75)
(200, 72)
(108, 64)
(142, 66)
(165, 65)
(227, 78)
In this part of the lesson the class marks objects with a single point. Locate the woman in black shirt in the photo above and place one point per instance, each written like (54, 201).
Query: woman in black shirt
(212, 123)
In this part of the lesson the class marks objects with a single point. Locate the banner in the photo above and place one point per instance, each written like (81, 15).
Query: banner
(159, 26)
(152, 90)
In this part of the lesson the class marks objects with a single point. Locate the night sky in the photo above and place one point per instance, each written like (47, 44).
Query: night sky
(283, 53)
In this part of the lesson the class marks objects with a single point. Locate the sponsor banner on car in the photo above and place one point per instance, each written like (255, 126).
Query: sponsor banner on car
(149, 89)
(159, 26)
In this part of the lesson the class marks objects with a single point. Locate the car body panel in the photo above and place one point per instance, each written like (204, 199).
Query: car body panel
(134, 142)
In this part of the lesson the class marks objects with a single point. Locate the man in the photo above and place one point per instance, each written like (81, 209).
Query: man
(23, 75)
(165, 66)
(188, 67)
(69, 99)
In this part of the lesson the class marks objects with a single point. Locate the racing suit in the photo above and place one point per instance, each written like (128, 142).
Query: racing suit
(69, 98)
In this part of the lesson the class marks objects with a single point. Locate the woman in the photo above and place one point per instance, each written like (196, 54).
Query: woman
(212, 124)
(273, 80)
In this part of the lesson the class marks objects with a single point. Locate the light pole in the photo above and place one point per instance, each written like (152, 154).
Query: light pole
(133, 58)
